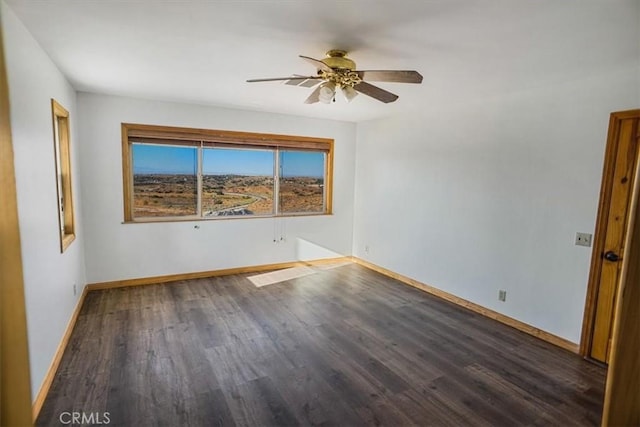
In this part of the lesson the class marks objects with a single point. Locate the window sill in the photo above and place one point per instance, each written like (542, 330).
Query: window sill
(66, 241)
(151, 220)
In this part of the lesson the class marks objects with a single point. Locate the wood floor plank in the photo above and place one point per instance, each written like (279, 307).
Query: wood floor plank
(521, 402)
(426, 407)
(258, 402)
(311, 398)
(351, 351)
(344, 346)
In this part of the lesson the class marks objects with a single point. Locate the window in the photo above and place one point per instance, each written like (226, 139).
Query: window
(237, 182)
(301, 181)
(62, 152)
(177, 173)
(165, 180)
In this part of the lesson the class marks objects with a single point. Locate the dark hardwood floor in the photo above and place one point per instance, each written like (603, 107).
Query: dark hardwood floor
(345, 346)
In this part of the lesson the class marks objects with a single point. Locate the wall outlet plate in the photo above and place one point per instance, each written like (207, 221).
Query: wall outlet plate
(583, 239)
(502, 295)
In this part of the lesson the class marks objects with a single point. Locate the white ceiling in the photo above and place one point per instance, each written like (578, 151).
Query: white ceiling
(203, 51)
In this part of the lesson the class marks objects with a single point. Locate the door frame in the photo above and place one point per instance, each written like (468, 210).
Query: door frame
(606, 189)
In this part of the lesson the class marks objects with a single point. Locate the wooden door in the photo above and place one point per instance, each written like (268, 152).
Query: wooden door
(15, 391)
(622, 389)
(621, 163)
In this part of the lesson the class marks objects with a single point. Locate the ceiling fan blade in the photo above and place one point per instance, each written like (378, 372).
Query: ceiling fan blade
(310, 82)
(275, 79)
(317, 63)
(375, 92)
(398, 76)
(314, 97)
(303, 81)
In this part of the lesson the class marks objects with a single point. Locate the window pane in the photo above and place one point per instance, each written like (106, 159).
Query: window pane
(165, 180)
(56, 135)
(302, 181)
(237, 182)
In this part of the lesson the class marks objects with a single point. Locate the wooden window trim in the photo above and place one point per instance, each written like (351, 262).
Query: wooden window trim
(211, 137)
(62, 147)
(170, 135)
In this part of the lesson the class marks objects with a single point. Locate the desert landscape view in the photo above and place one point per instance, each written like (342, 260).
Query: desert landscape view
(163, 195)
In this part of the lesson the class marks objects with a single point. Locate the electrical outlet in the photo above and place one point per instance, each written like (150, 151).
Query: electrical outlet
(366, 249)
(583, 239)
(75, 290)
(502, 295)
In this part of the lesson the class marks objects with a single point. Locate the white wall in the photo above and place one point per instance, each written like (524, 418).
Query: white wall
(117, 251)
(489, 195)
(49, 276)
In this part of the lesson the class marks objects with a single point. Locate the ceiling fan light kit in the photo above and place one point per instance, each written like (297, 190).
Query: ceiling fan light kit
(336, 71)
(349, 93)
(327, 92)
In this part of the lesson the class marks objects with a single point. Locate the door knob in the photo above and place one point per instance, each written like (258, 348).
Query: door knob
(611, 256)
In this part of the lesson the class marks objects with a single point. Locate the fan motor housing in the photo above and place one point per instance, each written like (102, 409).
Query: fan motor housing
(337, 60)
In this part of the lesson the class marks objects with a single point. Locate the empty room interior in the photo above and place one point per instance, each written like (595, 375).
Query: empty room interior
(320, 213)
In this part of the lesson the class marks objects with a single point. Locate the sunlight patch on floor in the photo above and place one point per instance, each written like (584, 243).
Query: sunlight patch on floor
(278, 276)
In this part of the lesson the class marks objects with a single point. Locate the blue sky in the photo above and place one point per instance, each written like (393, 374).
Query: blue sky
(183, 160)
(164, 159)
(237, 162)
(302, 163)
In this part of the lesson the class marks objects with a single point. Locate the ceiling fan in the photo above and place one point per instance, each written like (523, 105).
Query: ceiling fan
(337, 72)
